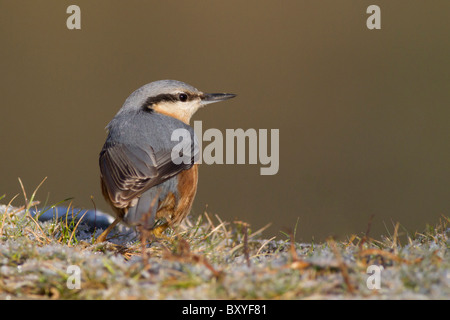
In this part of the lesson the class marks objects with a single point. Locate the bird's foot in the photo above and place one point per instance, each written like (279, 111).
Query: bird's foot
(158, 232)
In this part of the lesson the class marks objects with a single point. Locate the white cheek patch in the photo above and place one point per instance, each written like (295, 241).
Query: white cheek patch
(180, 110)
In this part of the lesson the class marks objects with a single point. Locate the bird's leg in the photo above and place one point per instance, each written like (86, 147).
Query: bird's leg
(102, 238)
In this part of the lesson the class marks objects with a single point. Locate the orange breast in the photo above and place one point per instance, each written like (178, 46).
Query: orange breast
(187, 188)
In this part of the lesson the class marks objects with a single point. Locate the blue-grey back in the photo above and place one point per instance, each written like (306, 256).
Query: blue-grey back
(145, 128)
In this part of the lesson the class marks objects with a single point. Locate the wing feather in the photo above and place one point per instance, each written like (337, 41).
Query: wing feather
(127, 170)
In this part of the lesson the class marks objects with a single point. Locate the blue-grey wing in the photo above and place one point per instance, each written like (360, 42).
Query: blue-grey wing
(127, 171)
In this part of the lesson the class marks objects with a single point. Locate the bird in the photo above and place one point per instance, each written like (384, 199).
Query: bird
(141, 175)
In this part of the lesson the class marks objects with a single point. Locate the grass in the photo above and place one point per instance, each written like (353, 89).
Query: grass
(207, 258)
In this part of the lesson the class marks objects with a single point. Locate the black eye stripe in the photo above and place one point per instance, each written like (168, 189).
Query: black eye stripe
(159, 98)
(167, 97)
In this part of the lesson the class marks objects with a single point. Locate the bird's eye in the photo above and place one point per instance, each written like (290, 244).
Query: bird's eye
(183, 97)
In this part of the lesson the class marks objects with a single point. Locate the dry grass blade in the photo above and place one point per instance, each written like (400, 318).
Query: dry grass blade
(28, 205)
(6, 214)
(214, 230)
(263, 245)
(209, 220)
(395, 238)
(365, 238)
(37, 237)
(75, 229)
(350, 241)
(292, 249)
(236, 248)
(245, 231)
(259, 231)
(342, 266)
(223, 227)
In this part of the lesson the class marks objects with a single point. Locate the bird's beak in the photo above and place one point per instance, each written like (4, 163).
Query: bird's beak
(208, 98)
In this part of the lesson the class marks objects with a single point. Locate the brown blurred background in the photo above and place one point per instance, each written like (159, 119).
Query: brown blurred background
(363, 115)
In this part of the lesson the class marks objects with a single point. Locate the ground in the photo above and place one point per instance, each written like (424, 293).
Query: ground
(207, 258)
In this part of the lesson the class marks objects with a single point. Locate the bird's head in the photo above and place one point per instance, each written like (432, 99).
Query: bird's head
(173, 98)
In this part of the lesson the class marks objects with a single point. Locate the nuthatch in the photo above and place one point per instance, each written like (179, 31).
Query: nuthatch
(139, 178)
